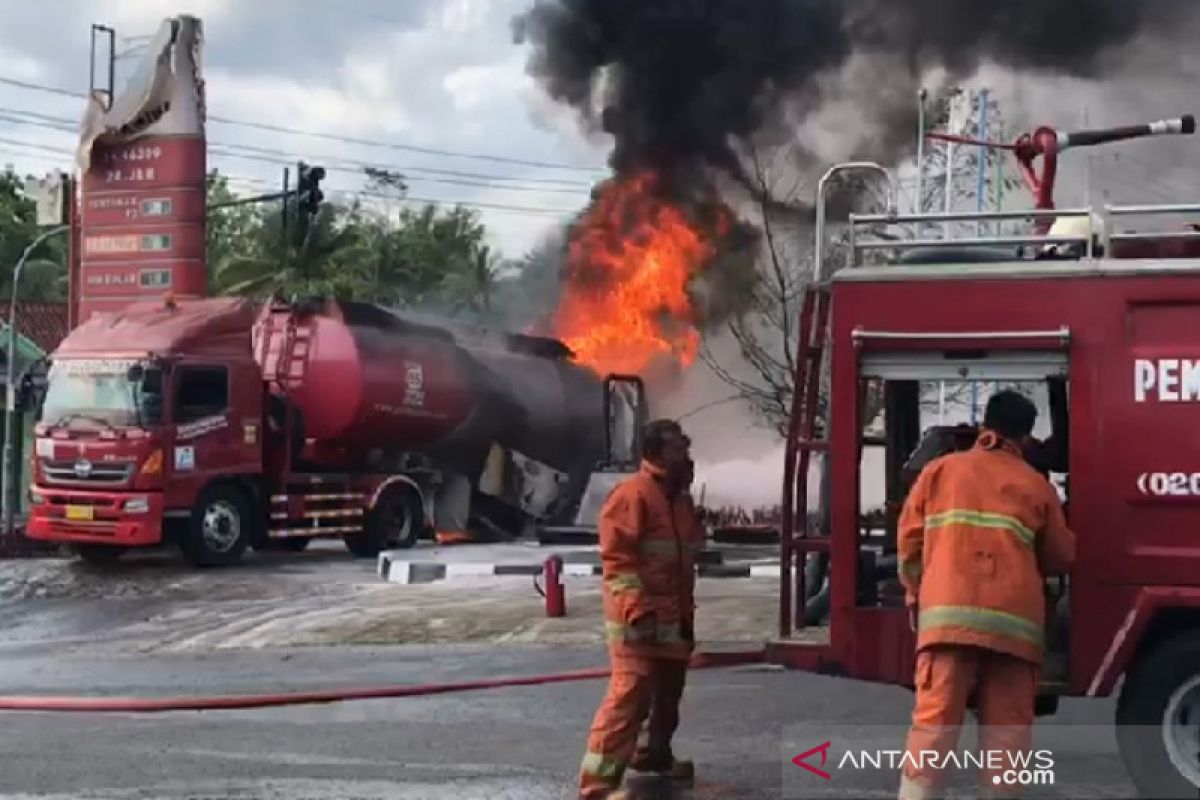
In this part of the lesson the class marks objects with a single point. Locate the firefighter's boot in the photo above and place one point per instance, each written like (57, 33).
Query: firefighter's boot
(667, 767)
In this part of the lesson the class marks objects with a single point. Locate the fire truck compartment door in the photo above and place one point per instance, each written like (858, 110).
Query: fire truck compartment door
(1007, 366)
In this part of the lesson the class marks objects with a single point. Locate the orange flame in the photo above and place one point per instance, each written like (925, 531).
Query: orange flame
(625, 303)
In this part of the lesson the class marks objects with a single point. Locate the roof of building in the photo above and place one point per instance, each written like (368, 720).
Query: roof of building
(44, 324)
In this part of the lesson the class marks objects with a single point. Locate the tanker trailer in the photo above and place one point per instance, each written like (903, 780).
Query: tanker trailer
(493, 431)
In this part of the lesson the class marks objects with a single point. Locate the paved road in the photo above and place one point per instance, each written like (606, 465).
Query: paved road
(743, 726)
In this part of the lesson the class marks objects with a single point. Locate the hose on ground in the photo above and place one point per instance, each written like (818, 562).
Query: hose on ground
(148, 705)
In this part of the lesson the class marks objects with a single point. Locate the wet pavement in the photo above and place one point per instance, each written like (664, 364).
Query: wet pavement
(285, 622)
(520, 743)
(154, 604)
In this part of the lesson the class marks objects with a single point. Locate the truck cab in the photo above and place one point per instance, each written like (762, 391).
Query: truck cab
(150, 421)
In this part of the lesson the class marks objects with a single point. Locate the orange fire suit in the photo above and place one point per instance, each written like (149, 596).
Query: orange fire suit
(978, 534)
(648, 546)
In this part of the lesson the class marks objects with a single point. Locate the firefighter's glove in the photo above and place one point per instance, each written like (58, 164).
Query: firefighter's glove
(644, 629)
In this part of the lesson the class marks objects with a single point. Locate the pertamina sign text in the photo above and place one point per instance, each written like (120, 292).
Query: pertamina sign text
(1166, 380)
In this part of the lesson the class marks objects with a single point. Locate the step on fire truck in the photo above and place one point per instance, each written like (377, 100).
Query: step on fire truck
(1101, 322)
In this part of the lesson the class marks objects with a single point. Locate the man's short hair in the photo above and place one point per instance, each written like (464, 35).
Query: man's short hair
(655, 435)
(1010, 414)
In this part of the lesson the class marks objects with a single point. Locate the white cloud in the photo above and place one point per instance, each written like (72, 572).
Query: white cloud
(21, 65)
(349, 108)
(138, 15)
(442, 75)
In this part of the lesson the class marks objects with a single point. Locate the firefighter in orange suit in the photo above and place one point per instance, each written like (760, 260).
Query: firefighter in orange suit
(649, 538)
(979, 533)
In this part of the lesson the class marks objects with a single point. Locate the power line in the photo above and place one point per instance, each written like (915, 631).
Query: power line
(360, 171)
(419, 170)
(479, 204)
(271, 156)
(264, 126)
(36, 146)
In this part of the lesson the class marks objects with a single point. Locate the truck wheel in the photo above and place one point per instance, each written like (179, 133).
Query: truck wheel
(1158, 719)
(220, 527)
(99, 553)
(395, 521)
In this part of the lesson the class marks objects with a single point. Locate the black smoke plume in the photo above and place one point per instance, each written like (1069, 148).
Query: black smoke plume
(684, 85)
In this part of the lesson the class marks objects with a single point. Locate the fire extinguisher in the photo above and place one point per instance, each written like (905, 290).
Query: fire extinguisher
(554, 591)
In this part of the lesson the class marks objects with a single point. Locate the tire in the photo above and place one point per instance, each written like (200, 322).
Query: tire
(397, 520)
(99, 553)
(1159, 705)
(220, 527)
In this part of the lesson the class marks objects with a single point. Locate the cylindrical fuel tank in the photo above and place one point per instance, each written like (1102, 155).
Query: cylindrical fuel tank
(372, 387)
(375, 381)
(552, 409)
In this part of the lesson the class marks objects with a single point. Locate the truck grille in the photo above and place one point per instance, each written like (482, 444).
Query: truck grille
(85, 473)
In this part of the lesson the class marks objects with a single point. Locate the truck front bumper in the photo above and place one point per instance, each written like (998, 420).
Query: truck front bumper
(129, 519)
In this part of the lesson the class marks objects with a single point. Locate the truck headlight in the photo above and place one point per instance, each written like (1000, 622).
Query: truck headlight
(137, 505)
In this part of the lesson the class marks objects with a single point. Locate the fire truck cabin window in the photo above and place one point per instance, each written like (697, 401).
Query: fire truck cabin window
(200, 392)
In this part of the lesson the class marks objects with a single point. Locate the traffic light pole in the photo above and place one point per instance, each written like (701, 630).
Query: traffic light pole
(246, 201)
(284, 212)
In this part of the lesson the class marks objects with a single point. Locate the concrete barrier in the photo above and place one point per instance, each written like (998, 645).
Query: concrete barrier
(398, 566)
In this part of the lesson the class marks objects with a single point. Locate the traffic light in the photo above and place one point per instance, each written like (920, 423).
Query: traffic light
(308, 189)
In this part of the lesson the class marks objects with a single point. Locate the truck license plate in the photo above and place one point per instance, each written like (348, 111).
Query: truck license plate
(80, 512)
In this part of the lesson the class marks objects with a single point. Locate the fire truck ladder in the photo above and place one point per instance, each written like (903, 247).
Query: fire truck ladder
(292, 359)
(801, 444)
(796, 540)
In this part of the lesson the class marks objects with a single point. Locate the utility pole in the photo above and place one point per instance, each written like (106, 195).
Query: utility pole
(283, 227)
(981, 185)
(960, 111)
(920, 203)
(1087, 174)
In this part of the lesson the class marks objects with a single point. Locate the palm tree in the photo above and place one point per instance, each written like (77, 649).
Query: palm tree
(471, 285)
(330, 259)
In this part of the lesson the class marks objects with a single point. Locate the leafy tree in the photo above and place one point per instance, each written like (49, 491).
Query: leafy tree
(44, 276)
(232, 231)
(328, 260)
(428, 257)
(470, 287)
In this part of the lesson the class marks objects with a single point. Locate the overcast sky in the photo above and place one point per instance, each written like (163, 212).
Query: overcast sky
(440, 74)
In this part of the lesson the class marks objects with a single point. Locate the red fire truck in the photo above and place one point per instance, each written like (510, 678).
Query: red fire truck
(1101, 323)
(222, 424)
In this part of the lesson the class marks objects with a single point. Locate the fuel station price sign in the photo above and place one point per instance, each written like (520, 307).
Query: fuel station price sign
(142, 222)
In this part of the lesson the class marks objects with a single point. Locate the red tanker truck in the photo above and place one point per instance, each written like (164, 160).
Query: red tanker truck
(221, 424)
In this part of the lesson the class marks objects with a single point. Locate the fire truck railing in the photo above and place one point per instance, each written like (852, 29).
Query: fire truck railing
(1100, 224)
(859, 221)
(1062, 334)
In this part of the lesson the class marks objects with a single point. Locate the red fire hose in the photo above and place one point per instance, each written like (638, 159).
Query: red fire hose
(147, 705)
